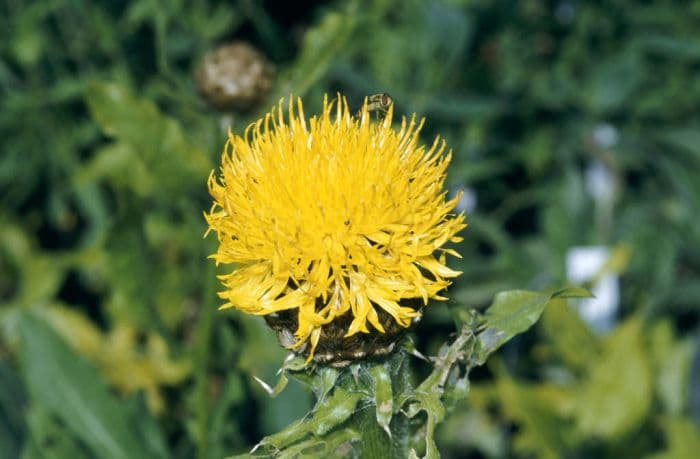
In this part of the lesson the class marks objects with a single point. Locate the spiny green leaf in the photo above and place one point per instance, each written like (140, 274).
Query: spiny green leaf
(325, 447)
(383, 395)
(294, 432)
(336, 409)
(295, 363)
(328, 414)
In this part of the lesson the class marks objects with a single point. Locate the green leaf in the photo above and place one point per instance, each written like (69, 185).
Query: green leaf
(613, 81)
(672, 364)
(618, 392)
(65, 385)
(682, 438)
(328, 414)
(296, 363)
(12, 406)
(540, 429)
(569, 336)
(322, 42)
(686, 139)
(325, 447)
(49, 439)
(435, 411)
(572, 292)
(121, 115)
(222, 432)
(152, 138)
(334, 411)
(670, 45)
(148, 432)
(383, 395)
(515, 311)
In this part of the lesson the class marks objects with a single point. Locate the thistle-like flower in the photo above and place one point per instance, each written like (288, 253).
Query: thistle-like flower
(336, 226)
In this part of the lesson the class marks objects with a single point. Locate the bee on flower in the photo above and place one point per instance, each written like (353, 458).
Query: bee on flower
(336, 225)
(378, 103)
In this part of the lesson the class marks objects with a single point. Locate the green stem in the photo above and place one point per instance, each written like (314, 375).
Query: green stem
(204, 328)
(401, 382)
(374, 442)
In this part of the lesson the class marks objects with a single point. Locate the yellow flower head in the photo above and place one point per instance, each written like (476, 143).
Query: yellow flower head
(335, 219)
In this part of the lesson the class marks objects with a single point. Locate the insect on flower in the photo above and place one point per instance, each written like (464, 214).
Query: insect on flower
(378, 103)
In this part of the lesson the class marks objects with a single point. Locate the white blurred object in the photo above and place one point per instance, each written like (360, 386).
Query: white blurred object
(605, 136)
(467, 202)
(226, 123)
(600, 181)
(582, 265)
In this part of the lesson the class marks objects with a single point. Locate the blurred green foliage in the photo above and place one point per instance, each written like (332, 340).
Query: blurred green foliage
(105, 148)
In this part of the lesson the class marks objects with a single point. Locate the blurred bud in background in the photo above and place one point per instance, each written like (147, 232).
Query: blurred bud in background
(234, 77)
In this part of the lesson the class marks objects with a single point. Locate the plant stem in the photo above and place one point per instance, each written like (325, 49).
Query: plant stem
(374, 443)
(401, 382)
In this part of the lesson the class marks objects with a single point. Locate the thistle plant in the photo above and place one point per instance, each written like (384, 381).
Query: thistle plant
(339, 228)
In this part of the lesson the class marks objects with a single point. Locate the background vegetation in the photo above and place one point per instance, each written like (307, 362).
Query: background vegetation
(572, 123)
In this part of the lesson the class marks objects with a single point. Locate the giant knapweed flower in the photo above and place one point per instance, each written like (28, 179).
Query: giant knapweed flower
(336, 226)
